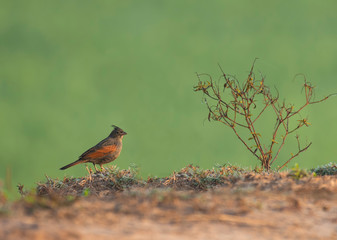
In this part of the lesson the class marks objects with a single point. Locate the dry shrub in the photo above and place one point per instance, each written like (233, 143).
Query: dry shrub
(239, 106)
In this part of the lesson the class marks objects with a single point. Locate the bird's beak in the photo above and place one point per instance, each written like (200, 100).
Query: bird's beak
(124, 133)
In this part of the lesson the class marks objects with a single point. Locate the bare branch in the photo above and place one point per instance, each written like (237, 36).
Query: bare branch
(293, 156)
(236, 133)
(260, 113)
(323, 99)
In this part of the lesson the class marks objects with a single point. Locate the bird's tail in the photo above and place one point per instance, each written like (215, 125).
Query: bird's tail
(71, 164)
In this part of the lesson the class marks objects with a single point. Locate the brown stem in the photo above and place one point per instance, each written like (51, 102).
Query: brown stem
(260, 113)
(301, 150)
(244, 143)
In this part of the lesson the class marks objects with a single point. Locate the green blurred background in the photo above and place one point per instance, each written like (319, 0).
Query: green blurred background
(70, 69)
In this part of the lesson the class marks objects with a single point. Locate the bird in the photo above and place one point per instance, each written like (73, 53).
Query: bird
(104, 152)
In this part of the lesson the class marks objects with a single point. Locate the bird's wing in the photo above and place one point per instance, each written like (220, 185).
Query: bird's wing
(97, 152)
(93, 149)
(90, 150)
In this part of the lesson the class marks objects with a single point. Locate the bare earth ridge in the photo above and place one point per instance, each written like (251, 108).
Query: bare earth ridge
(248, 206)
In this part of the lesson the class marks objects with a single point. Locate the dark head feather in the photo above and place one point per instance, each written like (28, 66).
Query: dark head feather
(117, 131)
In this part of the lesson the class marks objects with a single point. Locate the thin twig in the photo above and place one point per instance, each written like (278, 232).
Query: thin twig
(301, 150)
(244, 143)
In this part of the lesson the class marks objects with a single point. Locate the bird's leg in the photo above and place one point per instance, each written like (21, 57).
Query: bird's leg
(95, 167)
(102, 168)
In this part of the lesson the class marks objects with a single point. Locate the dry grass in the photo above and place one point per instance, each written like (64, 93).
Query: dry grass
(114, 180)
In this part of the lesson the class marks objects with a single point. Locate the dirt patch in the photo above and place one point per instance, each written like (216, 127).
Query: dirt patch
(247, 205)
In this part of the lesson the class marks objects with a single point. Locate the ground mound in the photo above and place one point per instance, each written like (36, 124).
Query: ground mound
(225, 202)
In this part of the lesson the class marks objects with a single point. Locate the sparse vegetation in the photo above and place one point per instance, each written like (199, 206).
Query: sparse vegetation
(298, 173)
(240, 106)
(327, 169)
(113, 180)
(226, 196)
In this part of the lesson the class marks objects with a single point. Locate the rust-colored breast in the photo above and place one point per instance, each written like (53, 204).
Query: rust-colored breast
(101, 152)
